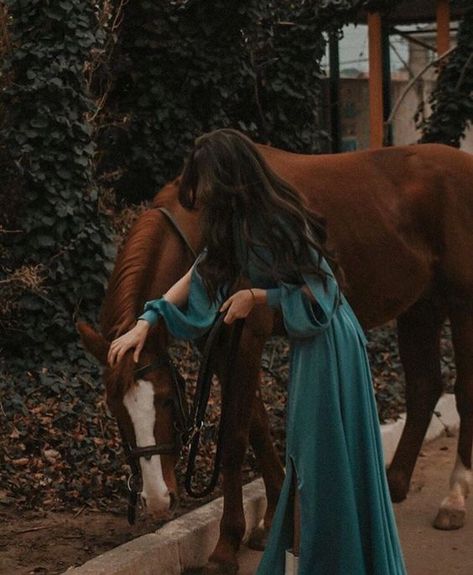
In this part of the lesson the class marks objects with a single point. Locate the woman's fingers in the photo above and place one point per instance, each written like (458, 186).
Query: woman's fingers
(114, 349)
(136, 353)
(228, 318)
(226, 304)
(121, 353)
(111, 354)
(117, 350)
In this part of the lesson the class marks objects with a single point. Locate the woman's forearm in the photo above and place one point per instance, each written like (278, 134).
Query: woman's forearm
(272, 296)
(177, 295)
(261, 295)
(179, 292)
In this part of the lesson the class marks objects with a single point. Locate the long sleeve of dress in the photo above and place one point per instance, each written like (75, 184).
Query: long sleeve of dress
(303, 317)
(188, 322)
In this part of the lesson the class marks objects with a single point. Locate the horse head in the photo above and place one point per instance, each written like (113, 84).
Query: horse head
(146, 399)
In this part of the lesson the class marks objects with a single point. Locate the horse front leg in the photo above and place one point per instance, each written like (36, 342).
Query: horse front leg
(419, 348)
(269, 464)
(237, 406)
(451, 514)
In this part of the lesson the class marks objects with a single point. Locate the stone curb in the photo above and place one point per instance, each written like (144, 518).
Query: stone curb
(180, 544)
(187, 541)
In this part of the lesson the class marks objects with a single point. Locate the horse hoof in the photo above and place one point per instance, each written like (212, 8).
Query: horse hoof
(215, 568)
(398, 487)
(449, 519)
(397, 494)
(258, 538)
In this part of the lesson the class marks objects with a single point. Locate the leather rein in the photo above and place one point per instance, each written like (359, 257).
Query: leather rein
(187, 424)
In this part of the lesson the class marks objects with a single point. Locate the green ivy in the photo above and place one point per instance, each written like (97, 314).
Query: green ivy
(185, 67)
(452, 98)
(47, 151)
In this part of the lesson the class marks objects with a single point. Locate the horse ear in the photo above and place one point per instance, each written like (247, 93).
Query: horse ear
(93, 342)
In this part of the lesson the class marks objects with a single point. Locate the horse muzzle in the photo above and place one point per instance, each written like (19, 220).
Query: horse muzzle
(160, 508)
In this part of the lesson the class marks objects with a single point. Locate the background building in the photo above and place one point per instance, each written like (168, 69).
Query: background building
(371, 68)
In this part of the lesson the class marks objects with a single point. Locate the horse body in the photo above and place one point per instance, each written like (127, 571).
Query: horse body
(401, 220)
(386, 218)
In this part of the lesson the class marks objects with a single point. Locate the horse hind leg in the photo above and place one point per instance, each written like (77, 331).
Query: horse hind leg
(419, 347)
(452, 510)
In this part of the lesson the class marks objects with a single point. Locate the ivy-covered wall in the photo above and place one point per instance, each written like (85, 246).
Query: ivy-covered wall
(58, 257)
(181, 68)
(176, 71)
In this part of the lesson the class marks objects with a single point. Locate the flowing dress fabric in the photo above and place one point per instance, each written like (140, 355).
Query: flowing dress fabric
(333, 444)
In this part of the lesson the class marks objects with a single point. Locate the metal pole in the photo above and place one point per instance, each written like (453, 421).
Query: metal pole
(334, 62)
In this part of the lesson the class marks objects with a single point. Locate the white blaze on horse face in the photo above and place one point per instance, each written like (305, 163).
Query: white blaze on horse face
(139, 402)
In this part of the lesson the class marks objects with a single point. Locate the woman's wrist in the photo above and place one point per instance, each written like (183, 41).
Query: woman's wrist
(143, 323)
(259, 295)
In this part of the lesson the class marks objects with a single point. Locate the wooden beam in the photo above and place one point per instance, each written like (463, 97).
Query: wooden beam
(443, 26)
(388, 138)
(376, 79)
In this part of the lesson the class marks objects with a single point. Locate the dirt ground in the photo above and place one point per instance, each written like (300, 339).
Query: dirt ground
(39, 543)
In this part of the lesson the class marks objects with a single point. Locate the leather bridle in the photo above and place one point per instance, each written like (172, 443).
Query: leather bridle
(181, 430)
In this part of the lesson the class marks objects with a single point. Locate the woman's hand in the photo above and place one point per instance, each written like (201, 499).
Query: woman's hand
(135, 338)
(238, 305)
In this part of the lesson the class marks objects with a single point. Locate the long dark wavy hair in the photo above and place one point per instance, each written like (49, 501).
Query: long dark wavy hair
(227, 177)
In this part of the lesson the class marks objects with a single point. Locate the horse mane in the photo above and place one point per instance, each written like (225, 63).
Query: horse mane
(126, 287)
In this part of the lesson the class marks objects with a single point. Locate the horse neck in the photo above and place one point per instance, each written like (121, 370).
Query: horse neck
(151, 260)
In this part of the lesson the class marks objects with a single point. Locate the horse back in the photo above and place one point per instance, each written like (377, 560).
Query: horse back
(400, 220)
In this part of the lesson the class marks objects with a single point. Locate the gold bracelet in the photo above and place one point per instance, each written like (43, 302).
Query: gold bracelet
(253, 294)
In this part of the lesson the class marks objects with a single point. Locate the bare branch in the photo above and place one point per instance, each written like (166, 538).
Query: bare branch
(413, 82)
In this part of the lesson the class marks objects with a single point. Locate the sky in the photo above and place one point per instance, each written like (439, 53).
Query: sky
(354, 49)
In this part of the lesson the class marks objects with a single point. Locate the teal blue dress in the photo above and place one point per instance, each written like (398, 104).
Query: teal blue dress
(333, 442)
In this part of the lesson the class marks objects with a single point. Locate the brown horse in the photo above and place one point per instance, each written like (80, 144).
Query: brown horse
(401, 220)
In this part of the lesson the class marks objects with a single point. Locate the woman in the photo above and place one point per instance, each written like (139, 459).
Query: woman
(255, 224)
